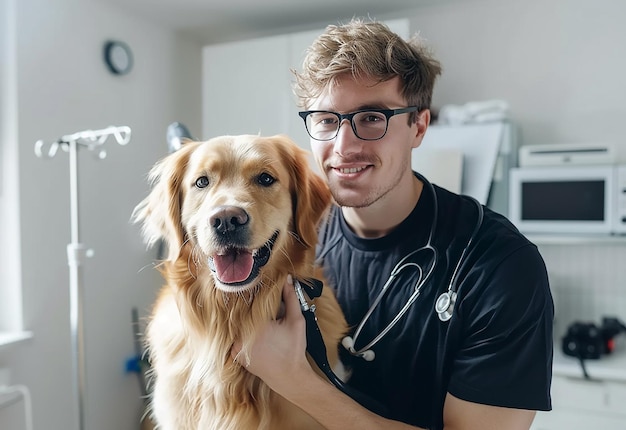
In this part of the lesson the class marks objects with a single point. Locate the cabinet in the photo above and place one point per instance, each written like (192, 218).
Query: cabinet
(246, 86)
(580, 404)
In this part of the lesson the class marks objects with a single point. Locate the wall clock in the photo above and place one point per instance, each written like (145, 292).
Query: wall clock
(118, 57)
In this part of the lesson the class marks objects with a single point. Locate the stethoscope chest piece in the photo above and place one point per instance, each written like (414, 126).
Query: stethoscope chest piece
(444, 306)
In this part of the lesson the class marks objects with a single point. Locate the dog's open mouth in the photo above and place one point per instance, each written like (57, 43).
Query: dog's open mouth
(235, 267)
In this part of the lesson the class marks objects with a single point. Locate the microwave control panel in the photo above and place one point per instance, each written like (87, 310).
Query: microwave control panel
(620, 204)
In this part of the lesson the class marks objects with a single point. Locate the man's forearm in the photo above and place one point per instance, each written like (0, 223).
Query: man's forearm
(333, 409)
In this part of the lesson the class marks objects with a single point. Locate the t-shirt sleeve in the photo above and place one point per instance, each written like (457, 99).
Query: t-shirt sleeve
(505, 350)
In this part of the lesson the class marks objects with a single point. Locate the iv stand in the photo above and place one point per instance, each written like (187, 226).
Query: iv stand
(76, 251)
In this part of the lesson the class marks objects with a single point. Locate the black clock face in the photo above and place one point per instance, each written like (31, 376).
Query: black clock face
(118, 57)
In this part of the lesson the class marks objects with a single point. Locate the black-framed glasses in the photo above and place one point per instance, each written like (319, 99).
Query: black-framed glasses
(367, 124)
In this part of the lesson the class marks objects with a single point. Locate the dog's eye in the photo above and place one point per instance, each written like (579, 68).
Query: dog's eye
(202, 182)
(265, 179)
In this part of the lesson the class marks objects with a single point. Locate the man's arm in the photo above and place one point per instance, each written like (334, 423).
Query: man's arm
(463, 415)
(278, 357)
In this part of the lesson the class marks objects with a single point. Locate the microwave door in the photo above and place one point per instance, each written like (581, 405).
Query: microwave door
(562, 200)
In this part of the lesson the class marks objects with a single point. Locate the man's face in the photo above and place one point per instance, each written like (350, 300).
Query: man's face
(361, 172)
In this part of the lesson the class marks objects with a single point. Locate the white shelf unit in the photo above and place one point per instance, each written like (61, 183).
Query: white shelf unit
(569, 239)
(588, 281)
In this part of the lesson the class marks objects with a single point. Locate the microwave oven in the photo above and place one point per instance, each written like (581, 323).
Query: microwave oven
(568, 199)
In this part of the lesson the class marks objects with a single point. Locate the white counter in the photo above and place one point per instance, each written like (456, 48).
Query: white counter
(610, 367)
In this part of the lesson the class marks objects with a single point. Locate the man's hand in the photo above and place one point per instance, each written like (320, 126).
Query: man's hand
(278, 357)
(278, 354)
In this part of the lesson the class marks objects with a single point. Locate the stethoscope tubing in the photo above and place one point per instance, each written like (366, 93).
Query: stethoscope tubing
(448, 298)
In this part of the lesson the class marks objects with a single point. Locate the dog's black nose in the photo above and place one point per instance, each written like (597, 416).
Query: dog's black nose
(226, 219)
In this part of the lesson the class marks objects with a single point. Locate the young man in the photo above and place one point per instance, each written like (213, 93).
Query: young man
(396, 247)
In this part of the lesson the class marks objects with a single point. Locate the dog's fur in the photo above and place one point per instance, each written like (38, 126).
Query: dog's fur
(229, 195)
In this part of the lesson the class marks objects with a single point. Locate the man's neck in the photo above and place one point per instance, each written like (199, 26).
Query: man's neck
(383, 216)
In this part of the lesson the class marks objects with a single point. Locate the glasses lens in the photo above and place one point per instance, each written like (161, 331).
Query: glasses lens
(322, 125)
(370, 125)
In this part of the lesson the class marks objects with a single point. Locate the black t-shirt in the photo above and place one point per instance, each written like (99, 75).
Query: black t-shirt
(497, 347)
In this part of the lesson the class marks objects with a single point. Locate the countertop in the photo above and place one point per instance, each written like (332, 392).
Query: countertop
(610, 366)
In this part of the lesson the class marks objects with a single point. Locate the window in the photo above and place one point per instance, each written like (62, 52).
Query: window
(10, 265)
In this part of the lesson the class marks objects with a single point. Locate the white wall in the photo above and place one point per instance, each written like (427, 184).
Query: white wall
(64, 87)
(588, 282)
(559, 63)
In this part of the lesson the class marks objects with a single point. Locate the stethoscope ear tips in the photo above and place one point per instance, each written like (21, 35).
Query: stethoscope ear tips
(368, 355)
(348, 343)
(444, 306)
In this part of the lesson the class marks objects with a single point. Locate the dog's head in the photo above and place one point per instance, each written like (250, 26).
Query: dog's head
(235, 204)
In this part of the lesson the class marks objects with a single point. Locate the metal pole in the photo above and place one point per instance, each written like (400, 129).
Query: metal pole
(75, 254)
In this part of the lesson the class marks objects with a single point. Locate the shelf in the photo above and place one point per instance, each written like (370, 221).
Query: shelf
(569, 239)
(611, 367)
(11, 337)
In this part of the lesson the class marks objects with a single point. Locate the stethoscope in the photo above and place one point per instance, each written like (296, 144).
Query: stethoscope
(444, 306)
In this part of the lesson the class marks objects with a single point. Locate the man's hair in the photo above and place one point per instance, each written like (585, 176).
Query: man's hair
(367, 50)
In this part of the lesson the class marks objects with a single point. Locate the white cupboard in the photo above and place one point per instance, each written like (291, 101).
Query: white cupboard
(246, 85)
(582, 404)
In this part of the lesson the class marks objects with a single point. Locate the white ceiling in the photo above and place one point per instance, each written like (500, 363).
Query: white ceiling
(213, 21)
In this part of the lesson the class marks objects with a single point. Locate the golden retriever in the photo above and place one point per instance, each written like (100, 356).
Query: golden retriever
(238, 213)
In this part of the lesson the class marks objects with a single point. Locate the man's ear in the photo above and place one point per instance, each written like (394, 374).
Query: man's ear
(422, 121)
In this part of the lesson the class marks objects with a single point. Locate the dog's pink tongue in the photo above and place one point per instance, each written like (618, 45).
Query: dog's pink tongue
(233, 267)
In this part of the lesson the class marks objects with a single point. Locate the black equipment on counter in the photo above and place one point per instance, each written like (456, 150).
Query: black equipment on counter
(587, 341)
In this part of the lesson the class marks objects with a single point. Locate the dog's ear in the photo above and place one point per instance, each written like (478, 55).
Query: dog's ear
(160, 212)
(309, 193)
